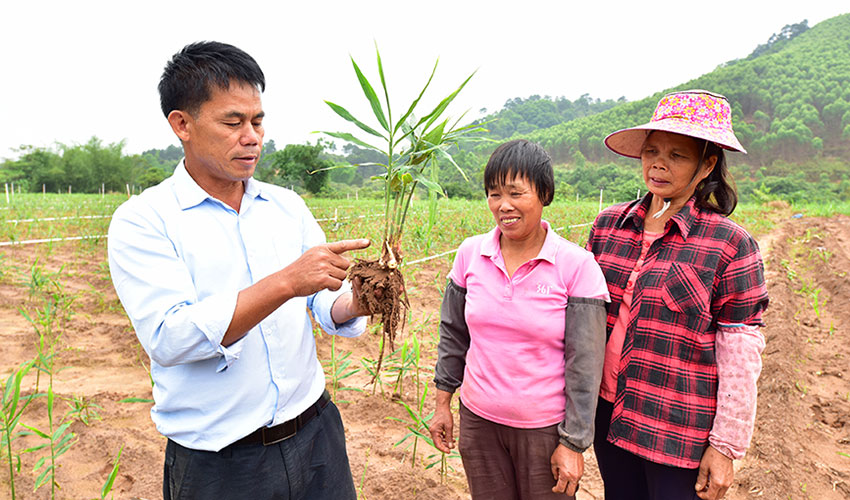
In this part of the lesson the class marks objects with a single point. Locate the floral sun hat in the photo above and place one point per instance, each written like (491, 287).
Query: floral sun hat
(695, 113)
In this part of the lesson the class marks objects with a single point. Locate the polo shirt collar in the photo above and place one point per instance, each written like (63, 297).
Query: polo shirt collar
(189, 194)
(683, 220)
(491, 246)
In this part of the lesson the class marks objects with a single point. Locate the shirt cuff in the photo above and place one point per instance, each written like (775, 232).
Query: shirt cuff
(321, 304)
(216, 313)
(229, 355)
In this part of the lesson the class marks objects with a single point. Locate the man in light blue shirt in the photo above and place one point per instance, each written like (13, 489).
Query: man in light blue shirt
(216, 271)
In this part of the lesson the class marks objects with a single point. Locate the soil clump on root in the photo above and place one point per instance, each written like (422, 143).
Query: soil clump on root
(382, 293)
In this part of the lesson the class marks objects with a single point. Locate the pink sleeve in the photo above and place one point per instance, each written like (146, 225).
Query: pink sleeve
(588, 280)
(738, 353)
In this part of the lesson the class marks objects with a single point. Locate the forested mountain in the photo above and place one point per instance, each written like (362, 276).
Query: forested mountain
(790, 101)
(522, 116)
(791, 109)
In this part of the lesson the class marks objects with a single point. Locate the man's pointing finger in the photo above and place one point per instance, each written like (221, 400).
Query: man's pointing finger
(342, 246)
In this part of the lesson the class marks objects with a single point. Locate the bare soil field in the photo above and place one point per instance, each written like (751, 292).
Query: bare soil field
(801, 446)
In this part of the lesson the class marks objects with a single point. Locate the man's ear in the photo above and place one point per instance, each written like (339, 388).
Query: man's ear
(180, 122)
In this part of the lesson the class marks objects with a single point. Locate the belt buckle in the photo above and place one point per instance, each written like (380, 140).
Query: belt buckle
(286, 431)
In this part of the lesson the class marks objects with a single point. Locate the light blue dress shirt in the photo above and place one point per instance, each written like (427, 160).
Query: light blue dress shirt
(178, 259)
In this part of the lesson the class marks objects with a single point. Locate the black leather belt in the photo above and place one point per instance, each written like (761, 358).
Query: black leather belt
(280, 432)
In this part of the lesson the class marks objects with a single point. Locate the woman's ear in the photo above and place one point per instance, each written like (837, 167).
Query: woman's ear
(708, 165)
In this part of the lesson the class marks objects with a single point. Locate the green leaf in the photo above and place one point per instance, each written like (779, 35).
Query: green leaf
(350, 138)
(451, 160)
(416, 101)
(371, 96)
(395, 183)
(423, 436)
(34, 448)
(435, 136)
(38, 432)
(60, 430)
(408, 435)
(42, 478)
(348, 116)
(136, 400)
(65, 447)
(410, 411)
(384, 85)
(10, 406)
(107, 486)
(432, 117)
(367, 164)
(50, 397)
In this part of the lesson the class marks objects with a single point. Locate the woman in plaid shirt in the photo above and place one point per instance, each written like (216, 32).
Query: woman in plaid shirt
(678, 395)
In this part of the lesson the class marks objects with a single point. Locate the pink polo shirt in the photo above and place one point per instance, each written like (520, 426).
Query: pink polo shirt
(514, 371)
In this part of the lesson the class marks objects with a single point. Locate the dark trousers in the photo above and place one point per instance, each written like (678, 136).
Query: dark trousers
(507, 463)
(629, 477)
(311, 465)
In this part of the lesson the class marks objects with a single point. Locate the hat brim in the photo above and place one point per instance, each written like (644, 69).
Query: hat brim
(628, 142)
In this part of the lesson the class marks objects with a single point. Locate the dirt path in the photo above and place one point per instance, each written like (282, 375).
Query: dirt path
(801, 447)
(801, 444)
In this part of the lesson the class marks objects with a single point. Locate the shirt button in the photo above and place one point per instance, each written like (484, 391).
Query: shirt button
(646, 243)
(629, 284)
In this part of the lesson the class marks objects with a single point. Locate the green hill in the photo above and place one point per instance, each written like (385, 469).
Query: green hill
(790, 103)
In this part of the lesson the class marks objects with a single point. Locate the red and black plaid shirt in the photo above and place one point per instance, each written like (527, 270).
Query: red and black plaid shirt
(704, 270)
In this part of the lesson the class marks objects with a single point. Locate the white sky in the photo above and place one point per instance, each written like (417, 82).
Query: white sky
(73, 70)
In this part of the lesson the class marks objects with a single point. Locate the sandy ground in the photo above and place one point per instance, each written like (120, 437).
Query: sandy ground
(801, 446)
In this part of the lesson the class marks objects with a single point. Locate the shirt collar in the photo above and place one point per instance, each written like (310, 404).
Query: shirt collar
(189, 194)
(683, 220)
(491, 246)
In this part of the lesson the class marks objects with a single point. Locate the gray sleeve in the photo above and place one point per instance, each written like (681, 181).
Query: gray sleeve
(584, 354)
(454, 339)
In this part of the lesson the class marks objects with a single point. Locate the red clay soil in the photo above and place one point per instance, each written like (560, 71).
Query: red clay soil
(801, 446)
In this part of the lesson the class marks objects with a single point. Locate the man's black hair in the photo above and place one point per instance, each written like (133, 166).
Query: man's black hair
(188, 77)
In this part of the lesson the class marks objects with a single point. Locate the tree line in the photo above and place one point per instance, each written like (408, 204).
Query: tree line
(790, 101)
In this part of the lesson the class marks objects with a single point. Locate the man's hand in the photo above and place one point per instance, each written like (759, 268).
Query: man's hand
(567, 469)
(441, 425)
(715, 475)
(320, 267)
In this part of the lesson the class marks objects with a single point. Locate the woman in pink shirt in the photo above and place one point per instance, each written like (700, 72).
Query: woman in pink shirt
(522, 334)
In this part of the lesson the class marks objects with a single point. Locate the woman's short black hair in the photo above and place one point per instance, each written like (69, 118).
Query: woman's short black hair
(189, 76)
(521, 158)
